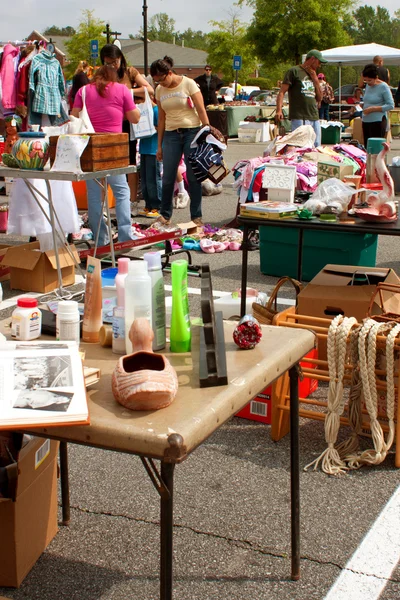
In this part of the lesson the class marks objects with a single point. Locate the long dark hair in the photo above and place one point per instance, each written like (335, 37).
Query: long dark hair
(370, 71)
(162, 66)
(102, 77)
(112, 51)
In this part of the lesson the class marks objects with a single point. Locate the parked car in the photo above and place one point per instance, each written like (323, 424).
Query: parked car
(255, 93)
(347, 92)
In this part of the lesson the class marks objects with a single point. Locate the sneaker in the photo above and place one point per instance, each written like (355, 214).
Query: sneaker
(198, 221)
(134, 209)
(153, 214)
(181, 200)
(143, 212)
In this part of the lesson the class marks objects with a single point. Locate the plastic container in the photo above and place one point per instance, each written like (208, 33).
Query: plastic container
(26, 320)
(68, 321)
(108, 276)
(180, 334)
(153, 260)
(123, 266)
(118, 330)
(395, 173)
(137, 297)
(230, 305)
(330, 135)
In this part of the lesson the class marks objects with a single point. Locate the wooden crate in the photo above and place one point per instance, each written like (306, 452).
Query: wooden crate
(104, 151)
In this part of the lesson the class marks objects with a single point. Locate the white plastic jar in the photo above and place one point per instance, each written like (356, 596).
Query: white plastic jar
(68, 321)
(26, 320)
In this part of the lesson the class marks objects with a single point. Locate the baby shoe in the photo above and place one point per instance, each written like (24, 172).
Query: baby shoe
(207, 246)
(235, 246)
(219, 246)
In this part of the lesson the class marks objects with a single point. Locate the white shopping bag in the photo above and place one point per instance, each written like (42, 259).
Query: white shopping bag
(145, 127)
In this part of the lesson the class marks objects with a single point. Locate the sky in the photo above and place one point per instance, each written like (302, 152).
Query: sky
(123, 15)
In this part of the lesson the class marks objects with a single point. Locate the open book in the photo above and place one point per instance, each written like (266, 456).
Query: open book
(41, 384)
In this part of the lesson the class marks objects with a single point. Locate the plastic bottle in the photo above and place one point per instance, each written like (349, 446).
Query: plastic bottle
(123, 266)
(68, 321)
(137, 296)
(26, 320)
(153, 260)
(180, 334)
(92, 314)
(118, 330)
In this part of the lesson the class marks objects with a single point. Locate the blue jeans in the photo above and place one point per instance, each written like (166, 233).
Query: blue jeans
(150, 178)
(314, 124)
(324, 111)
(121, 192)
(175, 144)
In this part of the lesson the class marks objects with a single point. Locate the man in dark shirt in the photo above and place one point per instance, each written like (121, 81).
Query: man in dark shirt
(209, 84)
(383, 72)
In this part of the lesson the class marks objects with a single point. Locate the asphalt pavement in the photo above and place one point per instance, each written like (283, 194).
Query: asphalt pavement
(232, 503)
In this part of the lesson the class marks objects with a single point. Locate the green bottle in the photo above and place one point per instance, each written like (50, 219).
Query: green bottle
(180, 334)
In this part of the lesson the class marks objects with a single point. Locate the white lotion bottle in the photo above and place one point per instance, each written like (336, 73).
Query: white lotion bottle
(153, 260)
(137, 297)
(123, 267)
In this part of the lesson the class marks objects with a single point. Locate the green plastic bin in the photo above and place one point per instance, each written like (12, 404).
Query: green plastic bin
(279, 248)
(330, 135)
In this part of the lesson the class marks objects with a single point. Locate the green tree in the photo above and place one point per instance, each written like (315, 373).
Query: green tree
(193, 39)
(53, 30)
(227, 40)
(283, 31)
(160, 27)
(78, 46)
(372, 25)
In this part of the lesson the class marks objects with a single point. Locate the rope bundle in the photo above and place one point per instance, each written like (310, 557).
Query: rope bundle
(336, 460)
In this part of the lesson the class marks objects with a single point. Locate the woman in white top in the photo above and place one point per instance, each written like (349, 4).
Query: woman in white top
(181, 114)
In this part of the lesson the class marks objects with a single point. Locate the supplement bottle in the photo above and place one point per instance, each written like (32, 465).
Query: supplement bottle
(68, 321)
(26, 320)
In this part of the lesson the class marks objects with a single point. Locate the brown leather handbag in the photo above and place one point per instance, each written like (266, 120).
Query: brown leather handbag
(265, 314)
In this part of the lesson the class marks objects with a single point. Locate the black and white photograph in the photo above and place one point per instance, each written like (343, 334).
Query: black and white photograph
(31, 373)
(44, 400)
(42, 346)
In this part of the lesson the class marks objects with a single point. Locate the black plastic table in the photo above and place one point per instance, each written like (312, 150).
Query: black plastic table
(358, 226)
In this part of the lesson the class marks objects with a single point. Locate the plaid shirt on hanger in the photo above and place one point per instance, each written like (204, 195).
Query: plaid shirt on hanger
(47, 83)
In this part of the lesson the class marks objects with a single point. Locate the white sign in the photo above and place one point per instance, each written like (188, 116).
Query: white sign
(68, 153)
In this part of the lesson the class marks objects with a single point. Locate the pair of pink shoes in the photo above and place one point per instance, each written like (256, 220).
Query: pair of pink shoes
(209, 246)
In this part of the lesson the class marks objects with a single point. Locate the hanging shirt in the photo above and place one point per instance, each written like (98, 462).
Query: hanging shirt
(47, 83)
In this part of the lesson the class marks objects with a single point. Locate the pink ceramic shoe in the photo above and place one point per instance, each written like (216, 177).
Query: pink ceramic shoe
(144, 380)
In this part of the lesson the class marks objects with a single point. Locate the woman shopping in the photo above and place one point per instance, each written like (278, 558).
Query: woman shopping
(377, 101)
(181, 114)
(108, 103)
(112, 56)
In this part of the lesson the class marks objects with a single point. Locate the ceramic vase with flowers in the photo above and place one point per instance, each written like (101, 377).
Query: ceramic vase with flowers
(31, 150)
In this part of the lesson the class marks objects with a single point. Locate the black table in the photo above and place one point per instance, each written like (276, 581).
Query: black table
(359, 226)
(219, 120)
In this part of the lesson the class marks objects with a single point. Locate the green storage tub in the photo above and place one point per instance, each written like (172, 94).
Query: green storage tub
(279, 248)
(330, 135)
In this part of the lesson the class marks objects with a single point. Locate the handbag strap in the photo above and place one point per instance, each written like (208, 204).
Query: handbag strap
(273, 299)
(84, 96)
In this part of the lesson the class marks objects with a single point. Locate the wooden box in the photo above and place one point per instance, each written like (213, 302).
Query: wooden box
(104, 151)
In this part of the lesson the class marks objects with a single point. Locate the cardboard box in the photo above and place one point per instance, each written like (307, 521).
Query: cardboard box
(357, 130)
(28, 520)
(35, 271)
(347, 290)
(260, 408)
(4, 271)
(331, 168)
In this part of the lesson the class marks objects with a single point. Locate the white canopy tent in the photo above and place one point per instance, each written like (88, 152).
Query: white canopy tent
(360, 54)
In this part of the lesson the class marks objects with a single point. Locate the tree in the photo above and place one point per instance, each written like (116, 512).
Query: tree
(228, 40)
(53, 30)
(372, 25)
(193, 39)
(79, 45)
(284, 31)
(160, 28)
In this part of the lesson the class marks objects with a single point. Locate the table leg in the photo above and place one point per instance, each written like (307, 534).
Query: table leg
(245, 252)
(107, 209)
(167, 524)
(66, 514)
(295, 471)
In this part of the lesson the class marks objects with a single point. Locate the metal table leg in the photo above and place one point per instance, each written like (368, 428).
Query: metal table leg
(245, 252)
(295, 471)
(166, 538)
(66, 510)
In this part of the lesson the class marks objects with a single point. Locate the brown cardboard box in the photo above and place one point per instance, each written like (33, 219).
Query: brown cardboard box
(35, 271)
(357, 130)
(4, 271)
(28, 521)
(347, 290)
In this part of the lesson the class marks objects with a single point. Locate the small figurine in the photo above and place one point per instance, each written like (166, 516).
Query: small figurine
(248, 333)
(144, 380)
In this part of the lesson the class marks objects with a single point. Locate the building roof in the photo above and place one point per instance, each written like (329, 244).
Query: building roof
(35, 35)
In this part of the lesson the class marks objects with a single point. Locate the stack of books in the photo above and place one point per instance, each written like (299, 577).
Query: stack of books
(268, 210)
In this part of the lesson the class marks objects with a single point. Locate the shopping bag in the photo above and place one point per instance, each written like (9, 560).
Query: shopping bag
(145, 127)
(81, 124)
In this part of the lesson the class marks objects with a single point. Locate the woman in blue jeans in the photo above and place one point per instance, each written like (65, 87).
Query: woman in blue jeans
(181, 114)
(108, 103)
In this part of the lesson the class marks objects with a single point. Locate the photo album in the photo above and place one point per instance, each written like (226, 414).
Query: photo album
(41, 384)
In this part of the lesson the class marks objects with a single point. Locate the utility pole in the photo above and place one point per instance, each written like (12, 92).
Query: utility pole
(109, 33)
(145, 46)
